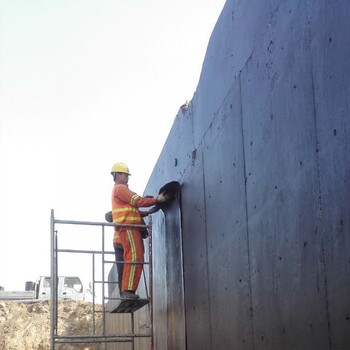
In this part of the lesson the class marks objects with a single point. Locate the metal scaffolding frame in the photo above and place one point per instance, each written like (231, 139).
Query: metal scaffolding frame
(55, 338)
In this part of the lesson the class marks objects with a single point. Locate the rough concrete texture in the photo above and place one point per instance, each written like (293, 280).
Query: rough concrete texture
(263, 159)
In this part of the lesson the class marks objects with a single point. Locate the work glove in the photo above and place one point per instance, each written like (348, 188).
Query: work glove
(109, 217)
(154, 209)
(163, 197)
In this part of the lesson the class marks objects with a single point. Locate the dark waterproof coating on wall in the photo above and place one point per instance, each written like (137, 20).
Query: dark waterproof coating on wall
(171, 188)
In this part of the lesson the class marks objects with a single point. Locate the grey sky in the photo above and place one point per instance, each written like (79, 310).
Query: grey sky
(84, 84)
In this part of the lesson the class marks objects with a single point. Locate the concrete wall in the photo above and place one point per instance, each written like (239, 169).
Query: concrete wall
(263, 159)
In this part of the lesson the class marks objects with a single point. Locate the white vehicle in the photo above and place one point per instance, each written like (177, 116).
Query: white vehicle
(68, 287)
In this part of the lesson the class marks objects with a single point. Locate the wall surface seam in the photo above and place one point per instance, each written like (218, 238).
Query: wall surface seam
(207, 248)
(251, 313)
(320, 226)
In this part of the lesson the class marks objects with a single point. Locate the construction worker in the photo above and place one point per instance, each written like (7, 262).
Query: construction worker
(127, 241)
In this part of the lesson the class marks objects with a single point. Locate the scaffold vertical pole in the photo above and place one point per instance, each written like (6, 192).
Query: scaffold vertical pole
(93, 294)
(53, 281)
(150, 277)
(103, 283)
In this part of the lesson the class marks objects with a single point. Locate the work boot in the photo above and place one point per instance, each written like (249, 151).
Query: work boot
(127, 294)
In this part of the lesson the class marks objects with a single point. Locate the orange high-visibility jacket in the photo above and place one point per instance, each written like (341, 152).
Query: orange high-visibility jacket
(125, 204)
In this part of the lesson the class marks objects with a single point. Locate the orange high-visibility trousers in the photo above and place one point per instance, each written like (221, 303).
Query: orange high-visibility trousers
(133, 252)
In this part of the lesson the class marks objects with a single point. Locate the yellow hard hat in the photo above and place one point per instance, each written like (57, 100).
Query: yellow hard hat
(120, 168)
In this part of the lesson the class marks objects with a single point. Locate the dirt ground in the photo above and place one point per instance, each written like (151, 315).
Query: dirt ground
(26, 326)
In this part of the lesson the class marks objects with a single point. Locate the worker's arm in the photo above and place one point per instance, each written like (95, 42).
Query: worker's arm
(144, 213)
(152, 210)
(125, 195)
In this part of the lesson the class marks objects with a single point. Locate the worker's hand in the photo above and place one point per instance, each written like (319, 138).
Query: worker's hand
(109, 216)
(154, 209)
(163, 197)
